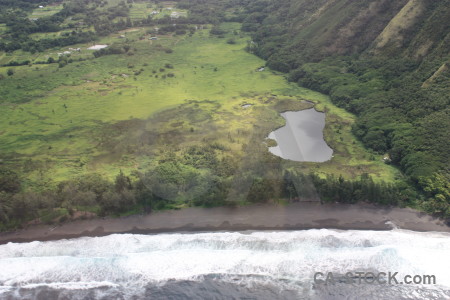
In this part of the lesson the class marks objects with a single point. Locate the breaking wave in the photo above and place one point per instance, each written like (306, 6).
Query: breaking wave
(254, 265)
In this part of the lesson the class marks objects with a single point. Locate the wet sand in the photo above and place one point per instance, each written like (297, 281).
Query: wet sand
(296, 216)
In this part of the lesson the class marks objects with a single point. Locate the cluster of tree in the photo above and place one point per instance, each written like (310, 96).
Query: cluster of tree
(92, 13)
(87, 191)
(113, 49)
(174, 28)
(202, 12)
(202, 176)
(16, 63)
(84, 14)
(31, 45)
(19, 23)
(396, 115)
(20, 26)
(26, 5)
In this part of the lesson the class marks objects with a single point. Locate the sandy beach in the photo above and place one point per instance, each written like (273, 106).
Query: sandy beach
(296, 216)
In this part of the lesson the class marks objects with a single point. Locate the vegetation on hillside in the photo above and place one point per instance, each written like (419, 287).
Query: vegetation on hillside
(156, 119)
(376, 60)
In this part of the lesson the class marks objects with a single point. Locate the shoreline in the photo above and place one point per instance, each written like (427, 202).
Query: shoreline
(295, 216)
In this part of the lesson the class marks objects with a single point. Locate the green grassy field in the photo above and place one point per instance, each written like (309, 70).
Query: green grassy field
(46, 11)
(141, 10)
(90, 116)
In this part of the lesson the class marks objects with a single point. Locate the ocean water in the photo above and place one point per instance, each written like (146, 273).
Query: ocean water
(226, 265)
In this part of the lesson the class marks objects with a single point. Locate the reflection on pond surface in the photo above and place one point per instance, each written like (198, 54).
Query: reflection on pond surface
(301, 139)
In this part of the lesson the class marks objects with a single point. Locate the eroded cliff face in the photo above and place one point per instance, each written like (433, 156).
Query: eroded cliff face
(412, 28)
(394, 33)
(347, 27)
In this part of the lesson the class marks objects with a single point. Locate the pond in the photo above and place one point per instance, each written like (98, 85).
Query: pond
(97, 47)
(301, 139)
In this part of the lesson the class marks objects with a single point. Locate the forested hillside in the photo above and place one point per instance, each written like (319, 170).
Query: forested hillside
(386, 61)
(172, 111)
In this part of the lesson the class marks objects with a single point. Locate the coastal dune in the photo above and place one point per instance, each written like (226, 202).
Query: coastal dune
(295, 216)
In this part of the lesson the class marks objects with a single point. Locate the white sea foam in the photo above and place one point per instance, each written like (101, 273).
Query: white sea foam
(136, 260)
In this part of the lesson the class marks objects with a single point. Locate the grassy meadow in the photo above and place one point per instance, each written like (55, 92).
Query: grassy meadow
(46, 11)
(127, 111)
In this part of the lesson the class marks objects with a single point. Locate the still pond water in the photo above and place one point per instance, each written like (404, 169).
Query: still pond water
(301, 139)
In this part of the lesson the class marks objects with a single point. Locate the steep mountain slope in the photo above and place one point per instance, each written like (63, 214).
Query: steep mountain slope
(315, 29)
